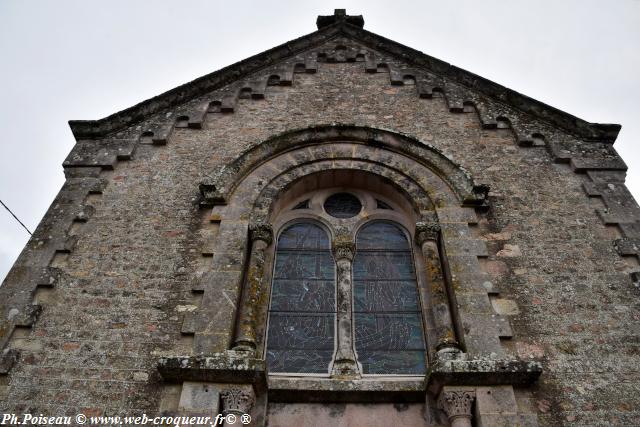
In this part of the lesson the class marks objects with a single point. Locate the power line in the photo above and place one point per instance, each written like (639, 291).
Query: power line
(14, 215)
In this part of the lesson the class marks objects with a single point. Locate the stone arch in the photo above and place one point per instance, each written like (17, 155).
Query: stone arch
(435, 188)
(442, 195)
(409, 185)
(341, 171)
(384, 148)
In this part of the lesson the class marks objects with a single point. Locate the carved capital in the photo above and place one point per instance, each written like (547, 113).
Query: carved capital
(261, 231)
(343, 247)
(456, 404)
(237, 400)
(427, 231)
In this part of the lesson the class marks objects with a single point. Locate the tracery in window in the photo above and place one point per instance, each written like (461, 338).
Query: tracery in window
(387, 319)
(386, 331)
(342, 205)
(382, 205)
(302, 205)
(302, 314)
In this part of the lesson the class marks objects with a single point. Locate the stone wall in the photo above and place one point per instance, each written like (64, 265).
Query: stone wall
(121, 285)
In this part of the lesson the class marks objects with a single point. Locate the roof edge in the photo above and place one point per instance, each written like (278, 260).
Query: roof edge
(89, 129)
(604, 132)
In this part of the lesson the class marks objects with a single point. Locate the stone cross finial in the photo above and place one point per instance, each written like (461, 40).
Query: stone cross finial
(339, 15)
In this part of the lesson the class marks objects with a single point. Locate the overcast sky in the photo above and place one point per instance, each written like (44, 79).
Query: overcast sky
(63, 60)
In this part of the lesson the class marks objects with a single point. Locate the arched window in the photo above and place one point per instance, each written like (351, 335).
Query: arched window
(303, 310)
(387, 316)
(304, 326)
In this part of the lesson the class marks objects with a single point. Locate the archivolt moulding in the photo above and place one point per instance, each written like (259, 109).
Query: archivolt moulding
(217, 188)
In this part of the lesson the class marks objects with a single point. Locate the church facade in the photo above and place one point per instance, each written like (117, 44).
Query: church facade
(341, 230)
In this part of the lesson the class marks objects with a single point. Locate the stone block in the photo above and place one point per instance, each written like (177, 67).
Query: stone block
(482, 324)
(499, 420)
(495, 400)
(465, 215)
(466, 247)
(509, 251)
(505, 306)
(200, 397)
(170, 397)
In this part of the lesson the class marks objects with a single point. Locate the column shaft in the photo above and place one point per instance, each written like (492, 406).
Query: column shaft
(253, 291)
(427, 237)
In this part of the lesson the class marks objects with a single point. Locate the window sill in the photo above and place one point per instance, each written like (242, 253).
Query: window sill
(234, 367)
(373, 389)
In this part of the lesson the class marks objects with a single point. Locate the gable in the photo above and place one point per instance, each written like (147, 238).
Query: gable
(148, 255)
(460, 87)
(586, 147)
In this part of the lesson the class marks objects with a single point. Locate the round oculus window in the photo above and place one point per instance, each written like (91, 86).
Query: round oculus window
(342, 205)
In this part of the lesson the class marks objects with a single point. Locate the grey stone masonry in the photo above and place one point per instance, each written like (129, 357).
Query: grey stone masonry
(145, 287)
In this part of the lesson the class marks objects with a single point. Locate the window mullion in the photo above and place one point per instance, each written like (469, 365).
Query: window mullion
(345, 364)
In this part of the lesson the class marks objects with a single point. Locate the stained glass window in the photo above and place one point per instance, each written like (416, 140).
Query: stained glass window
(301, 335)
(388, 327)
(342, 205)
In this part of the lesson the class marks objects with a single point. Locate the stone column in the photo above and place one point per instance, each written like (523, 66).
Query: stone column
(457, 404)
(261, 236)
(427, 237)
(236, 402)
(345, 364)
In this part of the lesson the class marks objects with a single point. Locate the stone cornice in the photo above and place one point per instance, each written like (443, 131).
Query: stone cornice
(482, 372)
(88, 129)
(227, 367)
